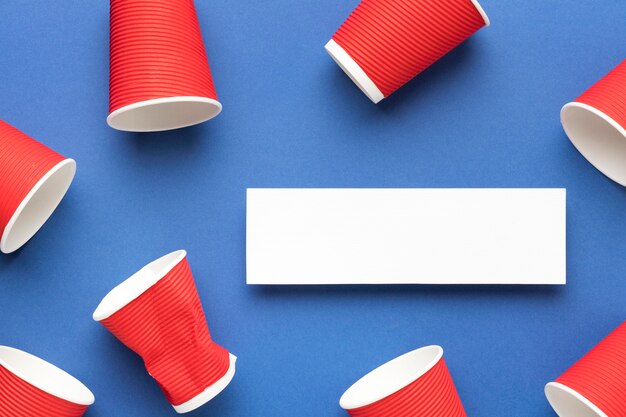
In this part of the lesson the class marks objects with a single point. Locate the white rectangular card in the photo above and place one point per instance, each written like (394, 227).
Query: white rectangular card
(405, 236)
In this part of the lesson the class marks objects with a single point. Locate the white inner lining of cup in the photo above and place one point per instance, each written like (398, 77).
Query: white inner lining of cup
(45, 376)
(598, 138)
(164, 114)
(354, 71)
(209, 393)
(38, 206)
(137, 284)
(391, 377)
(482, 12)
(568, 403)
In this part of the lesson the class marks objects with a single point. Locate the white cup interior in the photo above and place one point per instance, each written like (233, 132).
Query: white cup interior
(598, 138)
(38, 206)
(45, 376)
(164, 114)
(137, 284)
(568, 403)
(391, 377)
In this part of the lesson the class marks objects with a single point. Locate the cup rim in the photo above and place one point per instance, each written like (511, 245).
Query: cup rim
(212, 108)
(573, 135)
(433, 353)
(573, 395)
(138, 283)
(81, 395)
(65, 171)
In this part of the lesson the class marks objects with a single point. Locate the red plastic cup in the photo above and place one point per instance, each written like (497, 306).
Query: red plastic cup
(596, 124)
(385, 43)
(595, 386)
(33, 181)
(157, 313)
(159, 73)
(417, 383)
(32, 387)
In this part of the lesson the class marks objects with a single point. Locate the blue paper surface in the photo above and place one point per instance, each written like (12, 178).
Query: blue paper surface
(487, 115)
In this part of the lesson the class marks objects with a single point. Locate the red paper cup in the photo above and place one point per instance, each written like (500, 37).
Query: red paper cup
(385, 43)
(31, 387)
(596, 385)
(596, 124)
(417, 383)
(33, 181)
(157, 313)
(159, 74)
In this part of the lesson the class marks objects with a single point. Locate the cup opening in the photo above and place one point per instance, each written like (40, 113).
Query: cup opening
(45, 376)
(391, 377)
(38, 206)
(354, 71)
(164, 114)
(568, 403)
(482, 12)
(598, 138)
(209, 393)
(137, 284)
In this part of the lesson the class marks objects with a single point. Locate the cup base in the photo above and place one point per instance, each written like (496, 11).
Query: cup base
(209, 393)
(162, 114)
(354, 71)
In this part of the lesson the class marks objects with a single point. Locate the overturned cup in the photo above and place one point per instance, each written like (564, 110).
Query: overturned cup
(596, 124)
(157, 313)
(31, 387)
(595, 386)
(417, 383)
(33, 181)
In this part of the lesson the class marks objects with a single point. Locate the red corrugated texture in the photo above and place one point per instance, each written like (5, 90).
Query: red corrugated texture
(432, 395)
(609, 95)
(167, 328)
(600, 376)
(18, 398)
(23, 162)
(394, 40)
(156, 51)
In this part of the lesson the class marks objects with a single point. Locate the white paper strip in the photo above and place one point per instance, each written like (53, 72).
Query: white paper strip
(406, 236)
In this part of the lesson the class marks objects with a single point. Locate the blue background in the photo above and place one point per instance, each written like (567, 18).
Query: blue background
(486, 115)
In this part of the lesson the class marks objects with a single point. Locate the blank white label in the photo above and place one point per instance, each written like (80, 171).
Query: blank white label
(405, 236)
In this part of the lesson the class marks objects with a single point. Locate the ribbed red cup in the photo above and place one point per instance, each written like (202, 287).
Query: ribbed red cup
(596, 124)
(385, 43)
(157, 313)
(417, 383)
(595, 386)
(32, 387)
(159, 73)
(33, 181)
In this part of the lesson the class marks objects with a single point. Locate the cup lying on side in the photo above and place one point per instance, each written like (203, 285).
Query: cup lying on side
(157, 313)
(31, 387)
(417, 383)
(33, 181)
(383, 44)
(595, 386)
(596, 124)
